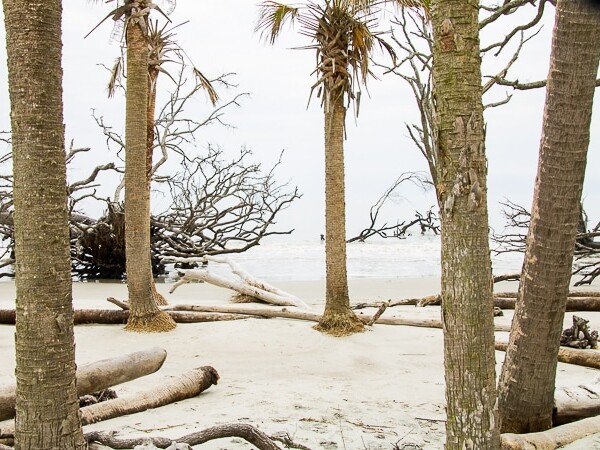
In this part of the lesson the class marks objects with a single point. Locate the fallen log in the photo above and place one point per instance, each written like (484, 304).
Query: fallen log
(573, 303)
(247, 432)
(579, 357)
(275, 298)
(99, 375)
(169, 391)
(553, 438)
(572, 294)
(117, 317)
(576, 403)
(313, 317)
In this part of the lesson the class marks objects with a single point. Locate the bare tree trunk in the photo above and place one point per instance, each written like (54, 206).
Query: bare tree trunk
(145, 315)
(99, 375)
(526, 385)
(46, 402)
(338, 319)
(467, 306)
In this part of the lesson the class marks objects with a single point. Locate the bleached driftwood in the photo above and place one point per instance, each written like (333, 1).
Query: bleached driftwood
(247, 286)
(99, 375)
(553, 438)
(170, 390)
(576, 403)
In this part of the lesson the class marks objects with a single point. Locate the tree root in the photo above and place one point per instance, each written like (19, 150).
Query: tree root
(247, 432)
(340, 324)
(155, 322)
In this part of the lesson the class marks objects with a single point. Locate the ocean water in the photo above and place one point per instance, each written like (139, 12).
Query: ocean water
(415, 256)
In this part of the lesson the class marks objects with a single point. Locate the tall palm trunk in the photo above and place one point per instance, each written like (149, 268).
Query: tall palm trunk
(145, 315)
(152, 79)
(467, 306)
(47, 406)
(338, 318)
(526, 389)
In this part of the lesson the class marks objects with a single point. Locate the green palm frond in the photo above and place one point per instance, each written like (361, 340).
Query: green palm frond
(272, 16)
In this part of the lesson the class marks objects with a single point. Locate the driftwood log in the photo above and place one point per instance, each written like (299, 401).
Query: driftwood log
(169, 391)
(247, 285)
(247, 432)
(576, 403)
(586, 358)
(313, 317)
(99, 375)
(553, 438)
(573, 303)
(116, 317)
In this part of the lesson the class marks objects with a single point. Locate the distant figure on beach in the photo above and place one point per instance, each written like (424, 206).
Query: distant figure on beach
(322, 237)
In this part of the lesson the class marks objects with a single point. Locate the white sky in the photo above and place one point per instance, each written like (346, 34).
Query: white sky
(220, 38)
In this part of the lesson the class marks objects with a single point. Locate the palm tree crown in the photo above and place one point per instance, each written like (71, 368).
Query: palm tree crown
(345, 34)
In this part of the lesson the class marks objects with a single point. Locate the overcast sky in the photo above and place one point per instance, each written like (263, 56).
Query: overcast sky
(220, 38)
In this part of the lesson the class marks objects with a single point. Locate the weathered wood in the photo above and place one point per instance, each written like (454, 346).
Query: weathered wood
(572, 294)
(275, 298)
(573, 303)
(576, 403)
(99, 375)
(553, 438)
(586, 358)
(115, 317)
(247, 432)
(169, 391)
(313, 317)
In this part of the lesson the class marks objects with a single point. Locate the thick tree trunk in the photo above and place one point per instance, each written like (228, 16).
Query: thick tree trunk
(99, 375)
(467, 306)
(46, 402)
(338, 319)
(526, 385)
(145, 315)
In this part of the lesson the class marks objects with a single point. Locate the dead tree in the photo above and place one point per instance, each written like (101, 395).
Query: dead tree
(218, 204)
(586, 262)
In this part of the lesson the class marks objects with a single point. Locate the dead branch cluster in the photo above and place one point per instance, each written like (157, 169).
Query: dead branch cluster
(424, 222)
(586, 262)
(216, 204)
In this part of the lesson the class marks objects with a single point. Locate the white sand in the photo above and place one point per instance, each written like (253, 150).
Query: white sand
(369, 390)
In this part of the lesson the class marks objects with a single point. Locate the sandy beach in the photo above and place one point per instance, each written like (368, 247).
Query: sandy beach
(373, 390)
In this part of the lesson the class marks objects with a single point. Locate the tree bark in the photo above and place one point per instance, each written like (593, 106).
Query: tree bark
(145, 315)
(526, 385)
(338, 319)
(99, 375)
(467, 306)
(46, 402)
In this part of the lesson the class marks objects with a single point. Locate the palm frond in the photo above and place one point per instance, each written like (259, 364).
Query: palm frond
(115, 76)
(272, 16)
(207, 86)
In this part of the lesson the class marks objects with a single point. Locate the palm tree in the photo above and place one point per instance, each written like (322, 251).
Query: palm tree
(467, 304)
(344, 35)
(47, 407)
(160, 45)
(526, 386)
(144, 314)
